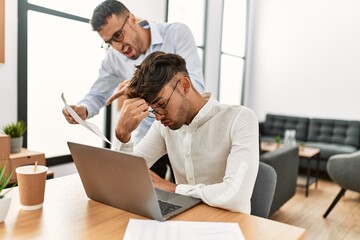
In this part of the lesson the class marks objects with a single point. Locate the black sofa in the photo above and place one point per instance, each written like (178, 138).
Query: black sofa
(331, 136)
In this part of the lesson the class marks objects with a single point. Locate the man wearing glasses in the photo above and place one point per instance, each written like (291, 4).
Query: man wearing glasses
(127, 43)
(213, 148)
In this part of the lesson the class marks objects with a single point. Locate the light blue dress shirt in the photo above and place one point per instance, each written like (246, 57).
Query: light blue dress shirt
(115, 68)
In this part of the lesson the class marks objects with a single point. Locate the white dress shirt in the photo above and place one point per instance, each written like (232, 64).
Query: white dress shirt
(115, 68)
(214, 158)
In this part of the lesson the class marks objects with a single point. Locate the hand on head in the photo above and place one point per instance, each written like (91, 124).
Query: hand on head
(133, 111)
(120, 93)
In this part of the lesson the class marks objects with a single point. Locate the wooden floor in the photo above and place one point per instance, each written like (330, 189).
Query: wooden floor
(343, 222)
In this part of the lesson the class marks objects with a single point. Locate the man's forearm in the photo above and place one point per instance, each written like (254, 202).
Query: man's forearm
(122, 137)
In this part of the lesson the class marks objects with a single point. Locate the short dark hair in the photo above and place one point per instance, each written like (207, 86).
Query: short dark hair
(105, 10)
(154, 73)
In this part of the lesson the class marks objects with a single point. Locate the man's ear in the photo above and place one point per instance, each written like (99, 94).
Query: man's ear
(132, 18)
(185, 84)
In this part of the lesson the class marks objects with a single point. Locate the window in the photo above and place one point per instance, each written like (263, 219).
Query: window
(193, 17)
(55, 37)
(62, 54)
(2, 31)
(233, 51)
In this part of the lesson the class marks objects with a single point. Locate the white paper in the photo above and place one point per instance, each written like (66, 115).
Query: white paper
(90, 126)
(138, 229)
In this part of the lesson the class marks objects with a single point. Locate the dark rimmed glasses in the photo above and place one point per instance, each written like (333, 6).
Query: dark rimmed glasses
(118, 36)
(160, 110)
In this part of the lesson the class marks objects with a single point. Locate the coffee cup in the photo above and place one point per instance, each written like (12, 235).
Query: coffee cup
(31, 181)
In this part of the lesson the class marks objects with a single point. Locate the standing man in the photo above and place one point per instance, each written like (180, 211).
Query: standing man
(213, 148)
(128, 42)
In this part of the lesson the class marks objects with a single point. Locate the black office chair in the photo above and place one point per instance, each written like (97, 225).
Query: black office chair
(264, 189)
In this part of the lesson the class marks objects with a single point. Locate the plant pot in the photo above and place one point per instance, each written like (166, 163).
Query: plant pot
(4, 207)
(16, 144)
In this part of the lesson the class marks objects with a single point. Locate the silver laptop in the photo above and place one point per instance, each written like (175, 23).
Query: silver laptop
(122, 180)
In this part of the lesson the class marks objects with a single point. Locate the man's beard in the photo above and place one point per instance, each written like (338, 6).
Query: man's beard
(181, 114)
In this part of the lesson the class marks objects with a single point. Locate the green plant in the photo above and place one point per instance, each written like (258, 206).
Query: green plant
(16, 129)
(5, 179)
(301, 145)
(277, 139)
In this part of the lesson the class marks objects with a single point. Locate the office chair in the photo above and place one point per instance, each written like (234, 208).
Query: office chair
(264, 189)
(344, 170)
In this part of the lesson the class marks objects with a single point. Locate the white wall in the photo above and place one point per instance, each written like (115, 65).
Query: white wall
(8, 71)
(152, 10)
(304, 58)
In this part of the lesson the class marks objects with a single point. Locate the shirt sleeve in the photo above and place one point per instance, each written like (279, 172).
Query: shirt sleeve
(104, 86)
(124, 147)
(235, 191)
(152, 146)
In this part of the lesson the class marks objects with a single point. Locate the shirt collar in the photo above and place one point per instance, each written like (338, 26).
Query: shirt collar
(156, 37)
(205, 112)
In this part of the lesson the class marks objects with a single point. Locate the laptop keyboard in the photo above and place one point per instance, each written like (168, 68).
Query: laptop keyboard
(167, 207)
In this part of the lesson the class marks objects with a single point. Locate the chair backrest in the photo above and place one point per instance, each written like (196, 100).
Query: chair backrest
(342, 169)
(264, 190)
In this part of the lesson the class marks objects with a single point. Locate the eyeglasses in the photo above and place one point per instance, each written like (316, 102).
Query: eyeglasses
(118, 36)
(161, 109)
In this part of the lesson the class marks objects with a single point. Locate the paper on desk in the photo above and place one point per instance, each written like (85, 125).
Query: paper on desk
(92, 127)
(154, 230)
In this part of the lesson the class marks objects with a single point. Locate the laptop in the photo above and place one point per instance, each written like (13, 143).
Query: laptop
(123, 181)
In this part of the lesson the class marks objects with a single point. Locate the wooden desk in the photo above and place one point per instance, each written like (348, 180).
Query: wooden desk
(309, 154)
(68, 214)
(306, 152)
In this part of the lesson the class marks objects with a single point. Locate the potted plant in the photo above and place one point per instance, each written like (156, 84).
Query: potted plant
(301, 146)
(16, 131)
(277, 140)
(4, 199)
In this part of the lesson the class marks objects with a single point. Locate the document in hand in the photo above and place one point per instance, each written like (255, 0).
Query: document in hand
(155, 230)
(90, 126)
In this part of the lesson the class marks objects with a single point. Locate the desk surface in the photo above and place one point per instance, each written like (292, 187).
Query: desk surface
(68, 214)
